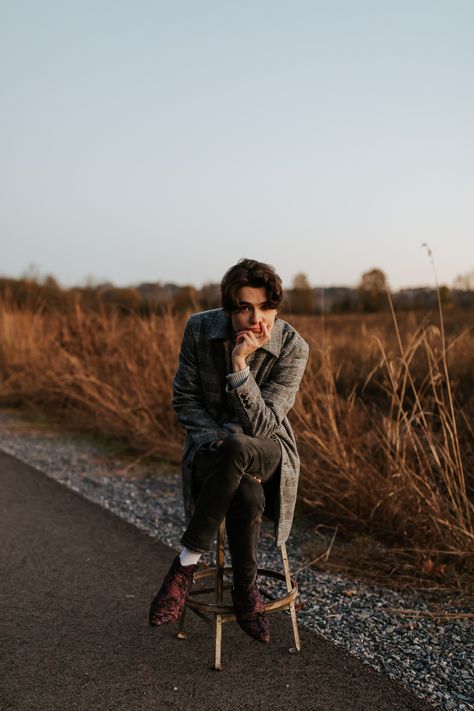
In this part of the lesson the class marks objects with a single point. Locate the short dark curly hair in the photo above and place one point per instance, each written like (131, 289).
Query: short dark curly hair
(249, 272)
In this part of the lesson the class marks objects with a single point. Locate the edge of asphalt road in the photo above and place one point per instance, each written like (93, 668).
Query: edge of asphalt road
(77, 582)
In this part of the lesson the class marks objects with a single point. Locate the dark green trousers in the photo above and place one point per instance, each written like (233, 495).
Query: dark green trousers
(225, 487)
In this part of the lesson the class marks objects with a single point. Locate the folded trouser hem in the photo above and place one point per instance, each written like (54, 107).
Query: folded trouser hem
(193, 547)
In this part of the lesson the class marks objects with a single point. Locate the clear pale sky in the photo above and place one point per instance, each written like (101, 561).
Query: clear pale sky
(162, 141)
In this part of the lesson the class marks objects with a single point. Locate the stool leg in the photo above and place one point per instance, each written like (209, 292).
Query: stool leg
(294, 621)
(181, 634)
(218, 643)
(219, 595)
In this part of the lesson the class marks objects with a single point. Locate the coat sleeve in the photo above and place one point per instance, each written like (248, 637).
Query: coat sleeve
(187, 395)
(262, 410)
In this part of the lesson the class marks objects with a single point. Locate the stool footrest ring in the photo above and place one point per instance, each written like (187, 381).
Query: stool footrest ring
(226, 609)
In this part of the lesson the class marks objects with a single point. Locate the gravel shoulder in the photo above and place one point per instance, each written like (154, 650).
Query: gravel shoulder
(432, 658)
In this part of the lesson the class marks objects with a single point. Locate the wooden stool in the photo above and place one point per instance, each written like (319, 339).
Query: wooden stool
(223, 612)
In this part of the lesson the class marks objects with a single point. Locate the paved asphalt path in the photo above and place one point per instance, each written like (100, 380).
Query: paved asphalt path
(75, 585)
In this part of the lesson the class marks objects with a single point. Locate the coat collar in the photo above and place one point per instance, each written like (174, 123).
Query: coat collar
(221, 328)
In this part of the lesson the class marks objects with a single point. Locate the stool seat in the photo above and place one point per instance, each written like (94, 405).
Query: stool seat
(217, 613)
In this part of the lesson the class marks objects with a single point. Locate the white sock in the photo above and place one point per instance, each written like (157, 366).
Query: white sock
(187, 557)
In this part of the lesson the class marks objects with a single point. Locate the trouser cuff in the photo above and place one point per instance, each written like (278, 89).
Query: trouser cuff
(195, 547)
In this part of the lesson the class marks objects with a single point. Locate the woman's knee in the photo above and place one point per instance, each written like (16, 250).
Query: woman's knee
(236, 448)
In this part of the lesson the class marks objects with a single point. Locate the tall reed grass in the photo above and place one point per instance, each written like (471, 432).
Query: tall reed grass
(382, 419)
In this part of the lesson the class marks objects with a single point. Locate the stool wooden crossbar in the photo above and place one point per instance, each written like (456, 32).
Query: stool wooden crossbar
(217, 613)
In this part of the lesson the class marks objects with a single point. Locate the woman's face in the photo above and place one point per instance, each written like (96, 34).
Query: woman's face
(253, 309)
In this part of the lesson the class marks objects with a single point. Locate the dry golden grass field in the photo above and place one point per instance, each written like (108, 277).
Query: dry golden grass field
(383, 422)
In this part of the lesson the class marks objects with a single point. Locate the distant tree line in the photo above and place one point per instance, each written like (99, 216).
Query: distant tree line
(370, 295)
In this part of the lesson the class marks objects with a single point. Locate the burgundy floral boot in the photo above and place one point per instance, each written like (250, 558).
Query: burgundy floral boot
(169, 601)
(249, 610)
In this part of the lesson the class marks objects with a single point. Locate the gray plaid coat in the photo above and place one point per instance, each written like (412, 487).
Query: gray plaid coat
(203, 401)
